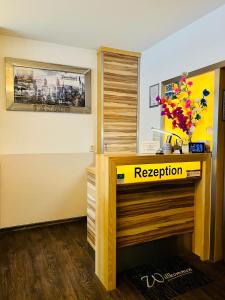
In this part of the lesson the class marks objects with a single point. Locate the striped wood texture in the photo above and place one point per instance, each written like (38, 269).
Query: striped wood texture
(150, 212)
(146, 212)
(91, 208)
(120, 100)
(108, 192)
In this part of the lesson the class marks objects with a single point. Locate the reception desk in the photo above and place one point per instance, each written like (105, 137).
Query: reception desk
(133, 199)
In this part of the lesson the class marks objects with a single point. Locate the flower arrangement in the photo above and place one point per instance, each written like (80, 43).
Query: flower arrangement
(179, 106)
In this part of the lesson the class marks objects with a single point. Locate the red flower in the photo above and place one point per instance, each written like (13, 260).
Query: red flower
(172, 105)
(183, 79)
(174, 123)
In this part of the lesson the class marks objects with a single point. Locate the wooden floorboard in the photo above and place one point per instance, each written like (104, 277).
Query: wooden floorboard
(55, 262)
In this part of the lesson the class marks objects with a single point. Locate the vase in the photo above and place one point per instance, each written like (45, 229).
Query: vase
(167, 148)
(185, 148)
(185, 145)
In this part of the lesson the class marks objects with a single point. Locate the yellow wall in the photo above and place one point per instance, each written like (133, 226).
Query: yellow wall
(202, 131)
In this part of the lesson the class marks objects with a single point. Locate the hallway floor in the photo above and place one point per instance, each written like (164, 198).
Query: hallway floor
(55, 262)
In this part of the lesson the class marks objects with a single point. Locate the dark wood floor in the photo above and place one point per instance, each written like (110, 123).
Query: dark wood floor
(55, 262)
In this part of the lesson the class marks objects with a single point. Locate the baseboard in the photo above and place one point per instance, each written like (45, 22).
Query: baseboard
(43, 224)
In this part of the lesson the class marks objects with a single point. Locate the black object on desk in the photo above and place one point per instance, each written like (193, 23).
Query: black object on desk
(197, 147)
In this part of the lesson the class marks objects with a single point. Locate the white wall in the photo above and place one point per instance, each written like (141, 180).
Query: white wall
(200, 44)
(37, 132)
(43, 155)
(50, 186)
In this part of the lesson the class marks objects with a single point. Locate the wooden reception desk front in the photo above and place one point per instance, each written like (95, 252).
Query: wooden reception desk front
(141, 198)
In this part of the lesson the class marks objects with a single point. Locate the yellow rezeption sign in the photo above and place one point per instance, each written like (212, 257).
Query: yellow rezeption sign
(158, 172)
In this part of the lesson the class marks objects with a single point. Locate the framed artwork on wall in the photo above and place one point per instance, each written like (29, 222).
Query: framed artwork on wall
(153, 93)
(45, 87)
(168, 89)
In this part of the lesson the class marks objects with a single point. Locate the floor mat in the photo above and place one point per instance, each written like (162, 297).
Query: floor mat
(167, 279)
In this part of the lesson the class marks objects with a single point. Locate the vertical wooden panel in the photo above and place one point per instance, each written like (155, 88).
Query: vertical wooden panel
(100, 128)
(202, 215)
(120, 102)
(91, 206)
(218, 172)
(105, 246)
(118, 88)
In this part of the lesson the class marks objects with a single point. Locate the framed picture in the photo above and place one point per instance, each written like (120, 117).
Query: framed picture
(44, 87)
(153, 93)
(169, 89)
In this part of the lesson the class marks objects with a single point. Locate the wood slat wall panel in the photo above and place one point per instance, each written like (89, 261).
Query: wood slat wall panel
(120, 93)
(120, 90)
(123, 59)
(146, 213)
(91, 208)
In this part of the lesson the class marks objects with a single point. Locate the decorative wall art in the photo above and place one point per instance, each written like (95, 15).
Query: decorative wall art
(38, 86)
(153, 94)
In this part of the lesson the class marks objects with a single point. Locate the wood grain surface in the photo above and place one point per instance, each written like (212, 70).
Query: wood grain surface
(91, 206)
(218, 179)
(118, 88)
(132, 215)
(55, 262)
(150, 212)
(120, 102)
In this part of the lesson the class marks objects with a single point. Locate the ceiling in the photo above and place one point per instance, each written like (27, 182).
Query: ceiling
(125, 24)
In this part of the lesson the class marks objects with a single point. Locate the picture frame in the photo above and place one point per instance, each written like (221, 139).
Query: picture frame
(153, 93)
(168, 89)
(46, 87)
